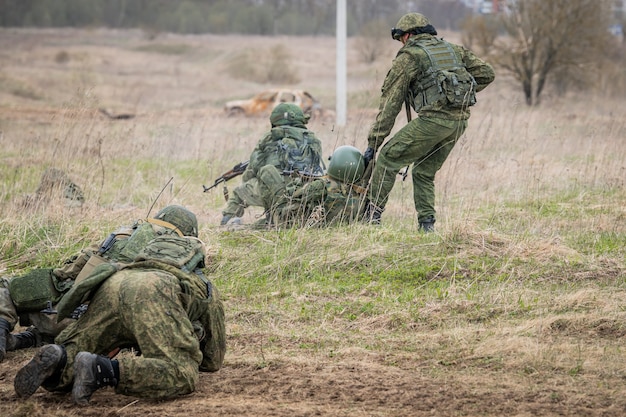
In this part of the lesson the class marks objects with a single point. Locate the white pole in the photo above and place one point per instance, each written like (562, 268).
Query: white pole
(341, 63)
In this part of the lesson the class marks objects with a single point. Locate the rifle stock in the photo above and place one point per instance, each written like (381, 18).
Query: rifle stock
(228, 175)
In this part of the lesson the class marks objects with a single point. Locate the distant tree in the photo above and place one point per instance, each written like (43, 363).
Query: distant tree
(372, 40)
(551, 40)
(479, 32)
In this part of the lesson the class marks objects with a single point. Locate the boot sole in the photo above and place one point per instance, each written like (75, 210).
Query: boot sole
(35, 372)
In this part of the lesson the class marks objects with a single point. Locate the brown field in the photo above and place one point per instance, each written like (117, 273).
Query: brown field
(565, 358)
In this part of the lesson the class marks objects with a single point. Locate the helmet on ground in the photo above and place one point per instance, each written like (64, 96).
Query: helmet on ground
(410, 23)
(288, 114)
(180, 217)
(346, 164)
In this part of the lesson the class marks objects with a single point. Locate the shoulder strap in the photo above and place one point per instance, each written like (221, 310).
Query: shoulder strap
(165, 224)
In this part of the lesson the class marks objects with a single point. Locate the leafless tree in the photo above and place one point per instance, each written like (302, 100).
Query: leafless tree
(551, 39)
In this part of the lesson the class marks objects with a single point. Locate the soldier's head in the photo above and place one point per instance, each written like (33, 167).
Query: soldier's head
(413, 24)
(288, 114)
(180, 217)
(346, 164)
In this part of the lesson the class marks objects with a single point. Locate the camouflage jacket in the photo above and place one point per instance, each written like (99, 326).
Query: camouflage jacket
(408, 68)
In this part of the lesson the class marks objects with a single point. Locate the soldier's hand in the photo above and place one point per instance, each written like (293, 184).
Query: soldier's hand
(368, 155)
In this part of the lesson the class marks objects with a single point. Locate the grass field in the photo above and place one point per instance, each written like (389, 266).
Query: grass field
(514, 307)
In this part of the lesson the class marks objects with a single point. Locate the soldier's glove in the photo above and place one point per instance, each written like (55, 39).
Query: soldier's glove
(368, 155)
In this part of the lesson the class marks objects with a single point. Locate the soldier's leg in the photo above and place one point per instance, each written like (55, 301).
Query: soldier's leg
(243, 196)
(47, 326)
(424, 170)
(409, 145)
(234, 208)
(170, 352)
(98, 330)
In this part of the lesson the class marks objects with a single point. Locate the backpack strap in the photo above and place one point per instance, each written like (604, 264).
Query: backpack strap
(165, 224)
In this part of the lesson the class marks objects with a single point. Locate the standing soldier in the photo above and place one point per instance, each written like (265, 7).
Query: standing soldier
(439, 80)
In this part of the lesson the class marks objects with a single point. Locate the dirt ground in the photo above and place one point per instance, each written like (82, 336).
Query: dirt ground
(362, 385)
(285, 380)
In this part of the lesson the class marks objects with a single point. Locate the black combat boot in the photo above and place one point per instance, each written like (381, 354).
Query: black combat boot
(46, 364)
(26, 339)
(427, 225)
(5, 330)
(92, 372)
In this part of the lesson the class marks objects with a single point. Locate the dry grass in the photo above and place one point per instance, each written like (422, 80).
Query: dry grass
(515, 306)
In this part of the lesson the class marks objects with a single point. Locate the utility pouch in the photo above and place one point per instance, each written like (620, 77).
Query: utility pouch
(91, 264)
(31, 292)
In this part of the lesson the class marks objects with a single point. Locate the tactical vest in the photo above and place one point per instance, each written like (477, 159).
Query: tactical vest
(446, 83)
(295, 149)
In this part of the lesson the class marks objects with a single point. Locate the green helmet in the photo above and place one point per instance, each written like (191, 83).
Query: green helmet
(408, 23)
(346, 164)
(180, 217)
(288, 114)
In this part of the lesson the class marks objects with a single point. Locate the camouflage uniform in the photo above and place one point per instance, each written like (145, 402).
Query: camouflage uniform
(315, 201)
(159, 304)
(17, 299)
(288, 145)
(428, 139)
(145, 309)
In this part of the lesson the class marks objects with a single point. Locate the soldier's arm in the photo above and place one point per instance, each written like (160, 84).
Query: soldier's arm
(482, 72)
(257, 158)
(394, 91)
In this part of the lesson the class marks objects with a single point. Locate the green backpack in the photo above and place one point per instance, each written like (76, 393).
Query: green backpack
(297, 149)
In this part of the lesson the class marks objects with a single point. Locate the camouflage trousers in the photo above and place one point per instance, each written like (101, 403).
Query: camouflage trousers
(139, 308)
(243, 196)
(424, 142)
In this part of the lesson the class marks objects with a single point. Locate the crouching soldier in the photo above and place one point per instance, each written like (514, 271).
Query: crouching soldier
(31, 298)
(160, 304)
(315, 200)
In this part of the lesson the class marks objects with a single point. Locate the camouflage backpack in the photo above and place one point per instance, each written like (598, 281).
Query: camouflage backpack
(296, 149)
(447, 83)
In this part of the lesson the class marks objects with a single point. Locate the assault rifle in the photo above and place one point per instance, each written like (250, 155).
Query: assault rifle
(229, 175)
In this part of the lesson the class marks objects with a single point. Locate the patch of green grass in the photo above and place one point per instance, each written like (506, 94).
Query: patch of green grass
(602, 243)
